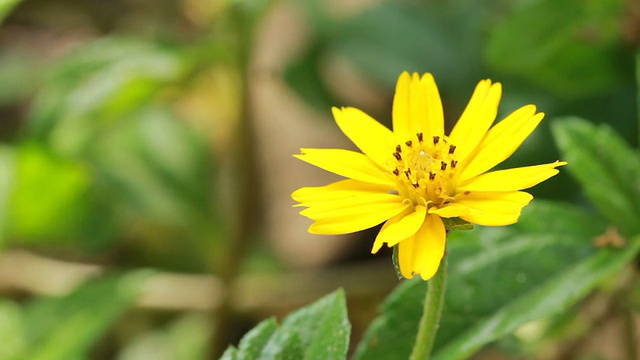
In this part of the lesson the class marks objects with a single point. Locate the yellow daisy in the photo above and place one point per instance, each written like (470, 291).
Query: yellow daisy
(415, 175)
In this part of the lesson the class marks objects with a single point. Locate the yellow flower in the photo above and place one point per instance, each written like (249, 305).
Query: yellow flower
(415, 175)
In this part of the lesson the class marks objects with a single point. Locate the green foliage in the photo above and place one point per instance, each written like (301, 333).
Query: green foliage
(317, 331)
(607, 169)
(568, 48)
(498, 280)
(67, 327)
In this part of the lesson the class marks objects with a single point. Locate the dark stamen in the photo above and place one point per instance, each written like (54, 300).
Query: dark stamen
(452, 148)
(436, 139)
(409, 143)
(443, 165)
(396, 172)
(398, 149)
(432, 175)
(454, 163)
(397, 156)
(407, 173)
(419, 135)
(416, 185)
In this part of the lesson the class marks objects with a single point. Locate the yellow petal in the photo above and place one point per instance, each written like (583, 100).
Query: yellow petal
(373, 138)
(354, 218)
(417, 106)
(511, 179)
(401, 112)
(449, 210)
(347, 163)
(493, 208)
(477, 117)
(501, 141)
(400, 227)
(343, 189)
(421, 254)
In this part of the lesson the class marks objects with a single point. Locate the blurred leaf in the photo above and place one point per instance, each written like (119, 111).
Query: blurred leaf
(11, 330)
(493, 273)
(67, 328)
(304, 76)
(18, 77)
(49, 195)
(157, 166)
(6, 6)
(185, 339)
(317, 331)
(98, 84)
(568, 48)
(606, 167)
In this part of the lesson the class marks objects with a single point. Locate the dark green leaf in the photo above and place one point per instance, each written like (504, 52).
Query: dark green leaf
(551, 298)
(491, 271)
(569, 48)
(606, 167)
(457, 224)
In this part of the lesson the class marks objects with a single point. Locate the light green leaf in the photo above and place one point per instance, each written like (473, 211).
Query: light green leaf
(605, 166)
(317, 331)
(6, 6)
(255, 340)
(49, 194)
(491, 271)
(67, 327)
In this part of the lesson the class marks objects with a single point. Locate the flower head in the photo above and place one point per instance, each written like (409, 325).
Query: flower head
(412, 177)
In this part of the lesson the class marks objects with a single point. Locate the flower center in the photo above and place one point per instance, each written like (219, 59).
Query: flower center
(425, 170)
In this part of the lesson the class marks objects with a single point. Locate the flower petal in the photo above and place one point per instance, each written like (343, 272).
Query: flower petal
(421, 254)
(501, 141)
(347, 163)
(352, 216)
(373, 138)
(493, 208)
(343, 189)
(511, 179)
(476, 118)
(417, 106)
(450, 210)
(400, 227)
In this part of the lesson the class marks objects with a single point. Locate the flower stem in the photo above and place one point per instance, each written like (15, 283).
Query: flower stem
(430, 321)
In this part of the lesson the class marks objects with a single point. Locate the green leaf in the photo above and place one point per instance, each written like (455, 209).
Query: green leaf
(606, 167)
(569, 48)
(97, 85)
(49, 197)
(317, 331)
(493, 271)
(552, 298)
(457, 224)
(6, 6)
(255, 340)
(67, 327)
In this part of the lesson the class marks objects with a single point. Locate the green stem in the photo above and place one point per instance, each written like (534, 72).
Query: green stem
(430, 321)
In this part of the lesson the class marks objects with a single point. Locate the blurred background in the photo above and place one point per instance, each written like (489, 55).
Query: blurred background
(145, 155)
